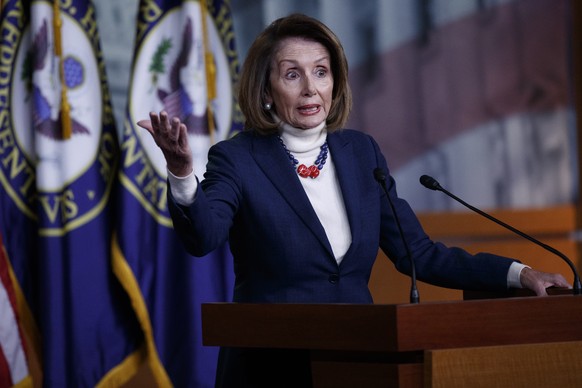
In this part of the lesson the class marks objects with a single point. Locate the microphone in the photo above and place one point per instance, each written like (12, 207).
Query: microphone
(431, 183)
(380, 176)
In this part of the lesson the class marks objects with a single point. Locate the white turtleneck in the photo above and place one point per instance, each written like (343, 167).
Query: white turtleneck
(324, 191)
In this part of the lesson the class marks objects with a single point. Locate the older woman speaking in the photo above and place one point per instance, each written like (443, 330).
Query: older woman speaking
(296, 198)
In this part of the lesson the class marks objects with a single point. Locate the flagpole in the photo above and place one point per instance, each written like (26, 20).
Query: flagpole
(65, 111)
(210, 68)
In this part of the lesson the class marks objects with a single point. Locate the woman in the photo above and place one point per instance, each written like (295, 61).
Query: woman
(296, 198)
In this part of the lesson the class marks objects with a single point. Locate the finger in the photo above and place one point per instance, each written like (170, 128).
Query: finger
(175, 129)
(155, 120)
(560, 281)
(535, 281)
(541, 292)
(152, 125)
(183, 136)
(164, 124)
(146, 124)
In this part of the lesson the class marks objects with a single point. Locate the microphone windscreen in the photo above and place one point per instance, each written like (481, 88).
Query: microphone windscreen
(429, 182)
(379, 174)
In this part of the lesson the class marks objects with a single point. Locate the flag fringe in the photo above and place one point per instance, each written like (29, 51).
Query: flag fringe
(125, 275)
(26, 382)
(125, 371)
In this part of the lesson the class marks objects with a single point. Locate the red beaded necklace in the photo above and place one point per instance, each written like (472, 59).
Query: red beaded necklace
(313, 170)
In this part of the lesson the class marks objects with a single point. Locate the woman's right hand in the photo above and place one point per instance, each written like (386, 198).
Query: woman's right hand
(172, 138)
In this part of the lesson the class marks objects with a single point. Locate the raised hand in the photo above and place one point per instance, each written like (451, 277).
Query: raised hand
(171, 136)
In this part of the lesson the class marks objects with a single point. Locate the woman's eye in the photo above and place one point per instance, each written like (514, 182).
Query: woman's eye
(292, 74)
(321, 73)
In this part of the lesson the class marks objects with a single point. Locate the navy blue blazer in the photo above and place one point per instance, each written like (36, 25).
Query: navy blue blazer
(252, 198)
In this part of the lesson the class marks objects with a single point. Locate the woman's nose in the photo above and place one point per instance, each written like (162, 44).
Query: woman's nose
(308, 87)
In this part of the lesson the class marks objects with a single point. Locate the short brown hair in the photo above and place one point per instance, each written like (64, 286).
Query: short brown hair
(254, 80)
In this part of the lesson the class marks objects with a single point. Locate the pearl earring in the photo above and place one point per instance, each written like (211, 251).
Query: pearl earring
(268, 106)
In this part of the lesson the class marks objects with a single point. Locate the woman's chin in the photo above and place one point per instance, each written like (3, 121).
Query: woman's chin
(308, 124)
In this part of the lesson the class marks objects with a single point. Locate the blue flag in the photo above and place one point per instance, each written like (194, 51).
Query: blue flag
(59, 160)
(185, 63)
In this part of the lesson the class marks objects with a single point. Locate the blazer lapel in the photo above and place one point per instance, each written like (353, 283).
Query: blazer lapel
(347, 170)
(271, 158)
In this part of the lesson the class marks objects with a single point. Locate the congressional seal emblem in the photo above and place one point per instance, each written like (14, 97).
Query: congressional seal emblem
(61, 180)
(170, 73)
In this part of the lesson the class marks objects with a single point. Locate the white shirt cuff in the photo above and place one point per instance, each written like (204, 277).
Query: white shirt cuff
(183, 188)
(514, 273)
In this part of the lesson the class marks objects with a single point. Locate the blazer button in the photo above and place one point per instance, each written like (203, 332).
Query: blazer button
(333, 278)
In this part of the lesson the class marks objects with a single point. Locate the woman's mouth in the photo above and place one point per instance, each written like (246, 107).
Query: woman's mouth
(309, 109)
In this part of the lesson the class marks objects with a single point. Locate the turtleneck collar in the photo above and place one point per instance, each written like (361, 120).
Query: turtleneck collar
(300, 140)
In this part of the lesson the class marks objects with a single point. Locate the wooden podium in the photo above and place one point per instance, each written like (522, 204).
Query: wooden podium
(402, 345)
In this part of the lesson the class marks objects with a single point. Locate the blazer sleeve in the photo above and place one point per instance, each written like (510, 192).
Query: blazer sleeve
(435, 263)
(204, 225)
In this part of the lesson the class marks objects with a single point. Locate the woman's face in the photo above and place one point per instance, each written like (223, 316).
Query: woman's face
(301, 83)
